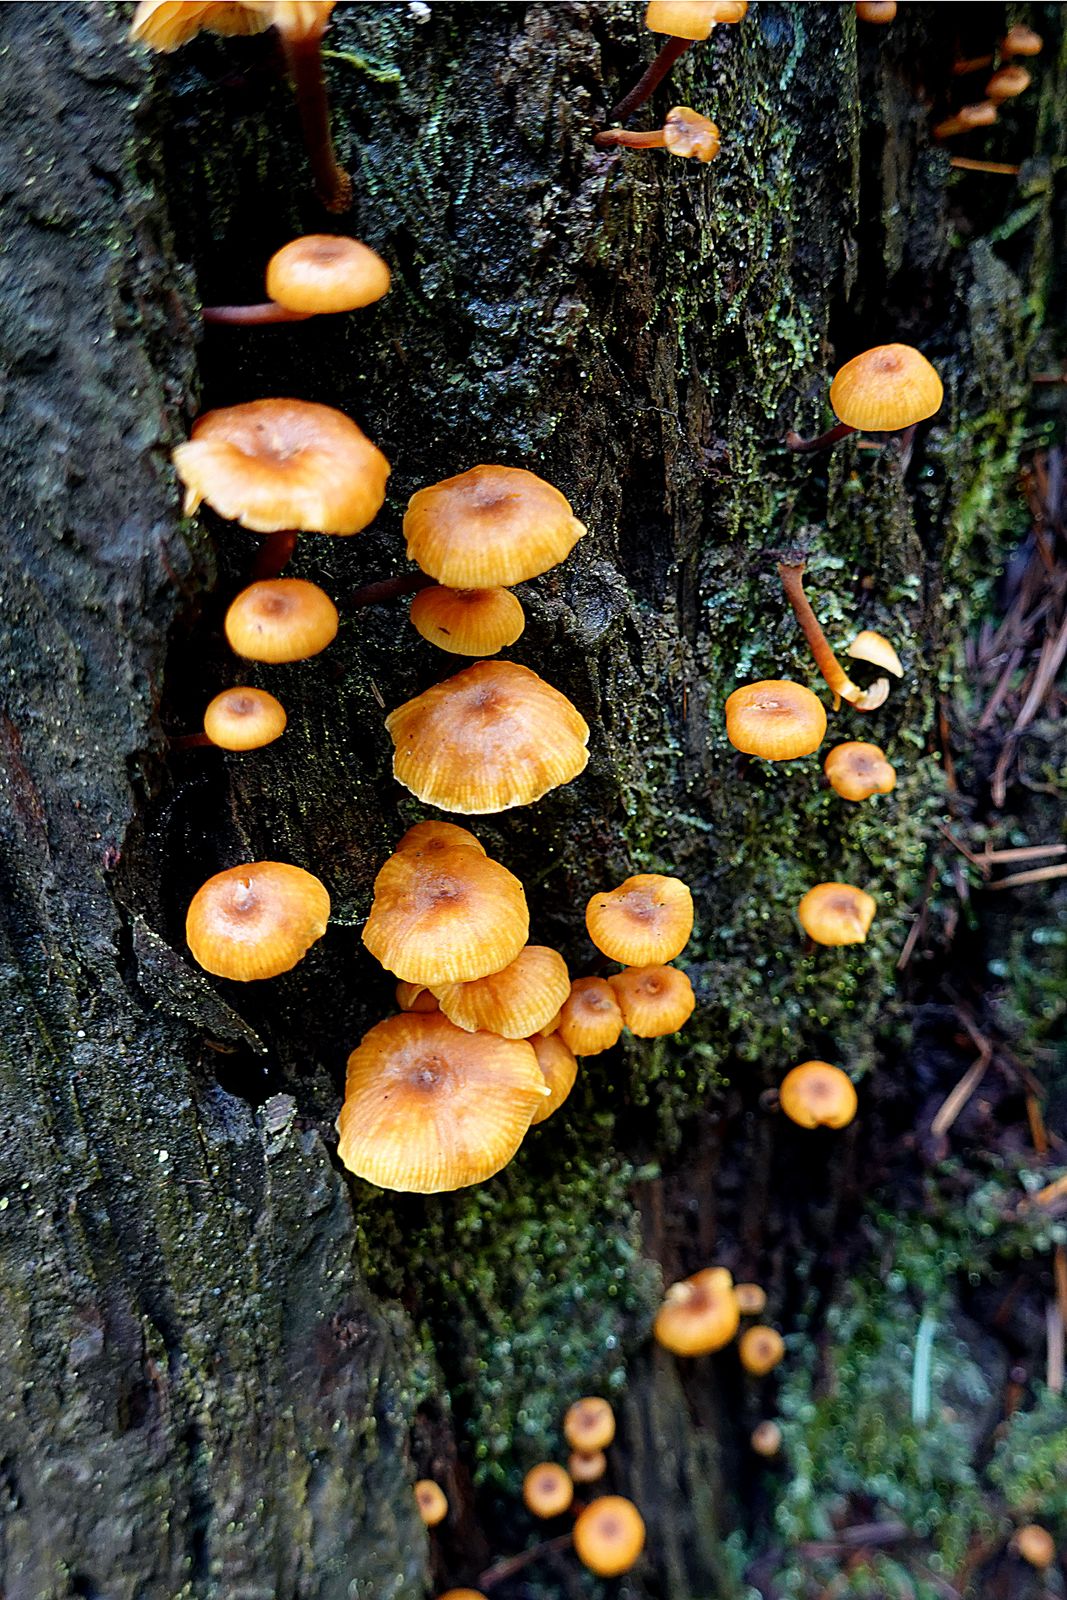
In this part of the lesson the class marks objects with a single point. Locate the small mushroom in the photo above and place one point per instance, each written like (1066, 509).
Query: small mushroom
(587, 1468)
(515, 1002)
(877, 11)
(1007, 83)
(684, 133)
(281, 620)
(490, 527)
(647, 920)
(775, 719)
(751, 1298)
(836, 913)
(244, 719)
(857, 770)
(256, 921)
(982, 115)
(609, 1535)
(317, 274)
(653, 1000)
(547, 1490)
(589, 1424)
(1021, 41)
(1036, 1545)
(761, 1349)
(766, 1438)
(590, 1020)
(818, 1095)
(468, 622)
(559, 1067)
(884, 390)
(699, 1315)
(792, 576)
(431, 1501)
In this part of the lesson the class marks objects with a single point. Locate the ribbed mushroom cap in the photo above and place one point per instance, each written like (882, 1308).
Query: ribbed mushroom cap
(1036, 1545)
(836, 913)
(760, 1348)
(886, 389)
(559, 1069)
(416, 997)
(514, 1002)
(691, 19)
(698, 1315)
(587, 1468)
(687, 133)
(276, 465)
(653, 1000)
(590, 1020)
(468, 622)
(432, 838)
(751, 1298)
(589, 1424)
(489, 526)
(431, 1501)
(609, 1535)
(775, 719)
(494, 736)
(295, 19)
(325, 272)
(430, 1108)
(281, 619)
(818, 1095)
(244, 719)
(766, 1438)
(257, 920)
(645, 921)
(1007, 83)
(857, 770)
(446, 916)
(547, 1490)
(164, 25)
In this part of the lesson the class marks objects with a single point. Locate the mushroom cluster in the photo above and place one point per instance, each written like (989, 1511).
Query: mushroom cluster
(702, 1314)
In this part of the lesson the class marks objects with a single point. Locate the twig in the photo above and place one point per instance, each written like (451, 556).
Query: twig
(856, 1538)
(919, 923)
(1001, 168)
(1037, 875)
(959, 1096)
(1051, 1192)
(1023, 852)
(507, 1569)
(1038, 1132)
(1054, 1358)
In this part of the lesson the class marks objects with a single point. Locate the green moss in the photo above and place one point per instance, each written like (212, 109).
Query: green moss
(1027, 1465)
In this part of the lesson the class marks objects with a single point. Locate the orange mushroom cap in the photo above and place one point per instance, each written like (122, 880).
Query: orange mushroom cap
(645, 921)
(691, 19)
(256, 921)
(687, 133)
(857, 770)
(276, 465)
(494, 736)
(587, 1468)
(609, 1535)
(885, 389)
(836, 913)
(775, 719)
(244, 719)
(518, 1000)
(751, 1298)
(590, 1020)
(431, 838)
(878, 650)
(559, 1069)
(1021, 41)
(876, 10)
(281, 619)
(431, 1501)
(766, 1438)
(468, 622)
(547, 1490)
(430, 1108)
(326, 272)
(760, 1348)
(818, 1095)
(489, 526)
(415, 997)
(698, 1315)
(164, 25)
(589, 1424)
(1007, 83)
(445, 915)
(653, 1000)
(1035, 1544)
(463, 1594)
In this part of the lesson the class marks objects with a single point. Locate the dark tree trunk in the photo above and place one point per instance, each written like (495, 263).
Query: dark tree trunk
(223, 1361)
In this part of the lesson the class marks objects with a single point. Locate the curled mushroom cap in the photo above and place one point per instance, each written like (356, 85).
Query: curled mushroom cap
(766, 1438)
(445, 915)
(653, 1000)
(1007, 83)
(415, 997)
(277, 465)
(244, 719)
(281, 619)
(324, 272)
(256, 921)
(836, 913)
(645, 921)
(430, 1108)
(698, 1315)
(431, 1501)
(559, 1069)
(489, 526)
(818, 1095)
(547, 1490)
(751, 1298)
(515, 1002)
(609, 1535)
(691, 19)
(1035, 1544)
(857, 770)
(587, 1468)
(886, 389)
(494, 736)
(468, 622)
(589, 1424)
(687, 133)
(878, 650)
(775, 719)
(590, 1020)
(760, 1348)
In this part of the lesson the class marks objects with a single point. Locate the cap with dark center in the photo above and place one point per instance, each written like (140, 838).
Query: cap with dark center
(699, 1315)
(468, 622)
(653, 1000)
(857, 770)
(326, 272)
(489, 527)
(244, 719)
(775, 720)
(760, 1348)
(609, 1535)
(431, 1501)
(818, 1095)
(547, 1490)
(281, 619)
(590, 1020)
(589, 1424)
(645, 921)
(256, 921)
(836, 913)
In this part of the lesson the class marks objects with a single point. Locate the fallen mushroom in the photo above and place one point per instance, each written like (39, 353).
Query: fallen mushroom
(792, 576)
(684, 133)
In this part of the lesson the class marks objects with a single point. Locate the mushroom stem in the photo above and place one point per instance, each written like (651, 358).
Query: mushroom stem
(274, 554)
(654, 140)
(371, 594)
(793, 441)
(190, 741)
(792, 576)
(960, 69)
(1004, 169)
(650, 81)
(252, 316)
(304, 59)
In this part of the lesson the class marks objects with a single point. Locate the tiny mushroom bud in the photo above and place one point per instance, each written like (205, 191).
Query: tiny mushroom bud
(244, 719)
(884, 390)
(515, 1002)
(281, 619)
(1021, 41)
(590, 1021)
(766, 1438)
(760, 1349)
(431, 1501)
(589, 1424)
(751, 1298)
(653, 1000)
(818, 1095)
(876, 649)
(547, 1490)
(1007, 83)
(880, 11)
(684, 133)
(775, 719)
(468, 622)
(609, 1535)
(587, 1468)
(489, 527)
(857, 770)
(315, 274)
(836, 913)
(699, 1315)
(792, 576)
(256, 921)
(559, 1068)
(1036, 1545)
(646, 920)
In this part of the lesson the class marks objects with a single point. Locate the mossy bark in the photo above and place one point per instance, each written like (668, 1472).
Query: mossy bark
(222, 1361)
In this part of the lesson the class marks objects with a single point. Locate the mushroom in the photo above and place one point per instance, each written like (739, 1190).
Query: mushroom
(547, 1490)
(751, 1298)
(645, 921)
(836, 913)
(316, 274)
(792, 576)
(492, 737)
(587, 1468)
(686, 22)
(857, 770)
(256, 921)
(244, 719)
(559, 1069)
(280, 620)
(515, 1002)
(589, 1424)
(878, 11)
(590, 1020)
(876, 649)
(699, 1315)
(760, 1348)
(489, 527)
(884, 390)
(432, 838)
(609, 1535)
(766, 1438)
(1021, 41)
(982, 115)
(684, 133)
(415, 997)
(429, 1108)
(468, 622)
(431, 1501)
(463, 1594)
(1036, 1545)
(775, 719)
(818, 1095)
(653, 1000)
(1007, 83)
